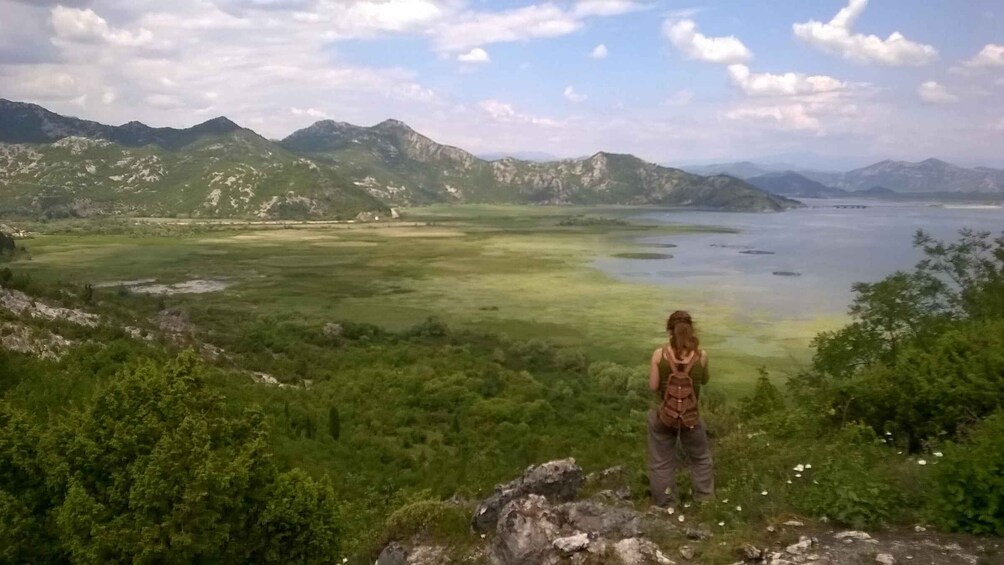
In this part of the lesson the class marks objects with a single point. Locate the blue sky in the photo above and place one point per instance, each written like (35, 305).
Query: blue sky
(818, 84)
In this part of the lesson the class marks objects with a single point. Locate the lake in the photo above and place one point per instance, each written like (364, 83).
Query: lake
(829, 248)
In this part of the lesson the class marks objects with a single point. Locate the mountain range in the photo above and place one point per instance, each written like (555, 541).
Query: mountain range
(57, 165)
(931, 177)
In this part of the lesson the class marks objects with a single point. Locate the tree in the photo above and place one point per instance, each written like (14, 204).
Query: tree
(155, 468)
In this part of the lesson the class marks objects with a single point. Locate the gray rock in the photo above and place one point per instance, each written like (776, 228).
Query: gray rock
(393, 554)
(599, 519)
(572, 544)
(687, 552)
(639, 551)
(885, 559)
(852, 535)
(801, 547)
(794, 523)
(750, 552)
(524, 532)
(557, 480)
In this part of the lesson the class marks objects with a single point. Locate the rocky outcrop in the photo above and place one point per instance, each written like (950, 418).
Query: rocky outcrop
(533, 530)
(556, 480)
(537, 520)
(22, 304)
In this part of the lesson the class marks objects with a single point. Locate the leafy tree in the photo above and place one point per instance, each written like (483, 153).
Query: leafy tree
(155, 468)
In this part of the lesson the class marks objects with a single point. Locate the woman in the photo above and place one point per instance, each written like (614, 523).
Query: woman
(682, 362)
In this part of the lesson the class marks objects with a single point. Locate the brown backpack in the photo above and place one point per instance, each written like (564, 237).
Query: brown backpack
(679, 398)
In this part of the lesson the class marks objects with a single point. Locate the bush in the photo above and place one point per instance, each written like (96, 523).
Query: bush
(967, 485)
(854, 485)
(436, 518)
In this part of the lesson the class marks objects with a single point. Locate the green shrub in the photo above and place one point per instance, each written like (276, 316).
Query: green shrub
(967, 484)
(436, 518)
(852, 487)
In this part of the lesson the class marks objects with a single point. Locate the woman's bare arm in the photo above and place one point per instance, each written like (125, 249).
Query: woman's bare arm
(653, 371)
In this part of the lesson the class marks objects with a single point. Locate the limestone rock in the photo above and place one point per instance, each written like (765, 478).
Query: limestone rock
(801, 547)
(639, 551)
(393, 554)
(524, 532)
(573, 543)
(852, 535)
(557, 480)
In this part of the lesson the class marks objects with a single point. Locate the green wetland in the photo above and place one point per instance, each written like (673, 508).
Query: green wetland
(416, 364)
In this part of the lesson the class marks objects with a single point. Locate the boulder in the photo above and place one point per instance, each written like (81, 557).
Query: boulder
(640, 551)
(393, 554)
(525, 532)
(601, 520)
(556, 480)
(572, 544)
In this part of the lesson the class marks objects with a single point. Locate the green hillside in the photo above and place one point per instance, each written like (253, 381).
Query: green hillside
(236, 174)
(396, 163)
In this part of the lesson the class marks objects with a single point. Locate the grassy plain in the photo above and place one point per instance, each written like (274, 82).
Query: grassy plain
(523, 271)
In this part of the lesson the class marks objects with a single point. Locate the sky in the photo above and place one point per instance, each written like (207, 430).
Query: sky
(820, 84)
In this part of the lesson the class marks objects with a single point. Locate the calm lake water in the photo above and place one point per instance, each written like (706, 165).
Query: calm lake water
(830, 248)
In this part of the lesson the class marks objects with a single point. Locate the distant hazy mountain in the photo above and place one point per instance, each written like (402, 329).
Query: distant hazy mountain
(397, 164)
(739, 169)
(792, 184)
(929, 176)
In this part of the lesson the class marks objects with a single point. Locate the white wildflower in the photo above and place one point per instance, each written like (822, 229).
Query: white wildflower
(722, 524)
(739, 508)
(686, 505)
(798, 475)
(921, 462)
(938, 454)
(789, 481)
(798, 468)
(671, 511)
(681, 518)
(808, 465)
(763, 493)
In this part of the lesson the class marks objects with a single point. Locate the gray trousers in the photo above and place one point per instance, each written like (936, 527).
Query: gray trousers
(664, 460)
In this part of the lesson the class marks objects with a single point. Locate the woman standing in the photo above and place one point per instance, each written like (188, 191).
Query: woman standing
(677, 372)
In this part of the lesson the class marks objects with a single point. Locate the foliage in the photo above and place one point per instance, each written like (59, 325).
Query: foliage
(852, 487)
(153, 467)
(436, 518)
(967, 485)
(924, 354)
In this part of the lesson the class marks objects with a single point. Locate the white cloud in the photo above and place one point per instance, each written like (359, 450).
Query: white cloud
(109, 97)
(505, 113)
(310, 112)
(465, 30)
(992, 55)
(837, 37)
(787, 116)
(573, 96)
(605, 7)
(599, 52)
(935, 93)
(476, 55)
(787, 84)
(723, 50)
(85, 26)
(680, 98)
